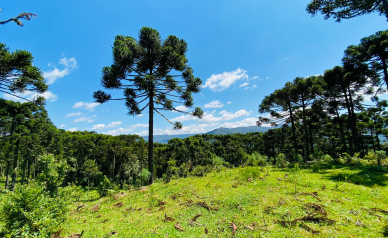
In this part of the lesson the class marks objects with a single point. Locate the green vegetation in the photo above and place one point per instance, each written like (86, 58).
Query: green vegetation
(321, 172)
(258, 204)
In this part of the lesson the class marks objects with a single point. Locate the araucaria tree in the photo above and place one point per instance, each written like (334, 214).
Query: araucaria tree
(18, 74)
(147, 70)
(346, 9)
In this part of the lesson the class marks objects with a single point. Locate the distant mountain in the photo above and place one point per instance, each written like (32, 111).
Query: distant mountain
(218, 131)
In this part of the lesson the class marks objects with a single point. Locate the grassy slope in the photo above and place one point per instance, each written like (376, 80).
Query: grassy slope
(248, 204)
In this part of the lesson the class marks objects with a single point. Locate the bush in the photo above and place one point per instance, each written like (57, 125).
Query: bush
(380, 155)
(281, 161)
(144, 176)
(105, 188)
(256, 159)
(249, 172)
(30, 211)
(198, 171)
(52, 172)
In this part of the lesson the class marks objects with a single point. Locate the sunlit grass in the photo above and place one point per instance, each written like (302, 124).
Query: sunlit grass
(256, 207)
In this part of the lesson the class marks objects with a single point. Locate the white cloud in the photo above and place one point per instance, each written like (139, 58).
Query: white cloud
(83, 118)
(140, 115)
(49, 96)
(191, 129)
(55, 74)
(229, 102)
(246, 122)
(73, 114)
(267, 78)
(214, 104)
(63, 125)
(254, 86)
(243, 85)
(220, 82)
(210, 118)
(114, 124)
(182, 108)
(256, 77)
(68, 63)
(121, 130)
(102, 126)
(98, 127)
(73, 129)
(86, 105)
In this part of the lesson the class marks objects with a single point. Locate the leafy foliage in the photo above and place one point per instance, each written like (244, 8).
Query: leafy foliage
(31, 211)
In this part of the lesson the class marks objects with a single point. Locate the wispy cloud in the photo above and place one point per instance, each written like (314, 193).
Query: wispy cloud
(110, 125)
(210, 118)
(49, 96)
(121, 131)
(220, 82)
(229, 102)
(86, 105)
(73, 114)
(73, 129)
(61, 126)
(214, 104)
(244, 85)
(53, 75)
(182, 108)
(83, 118)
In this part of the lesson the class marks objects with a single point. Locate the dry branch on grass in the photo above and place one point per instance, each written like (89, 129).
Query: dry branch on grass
(234, 227)
(178, 227)
(167, 218)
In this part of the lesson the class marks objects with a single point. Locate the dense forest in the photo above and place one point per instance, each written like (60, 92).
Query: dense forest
(335, 117)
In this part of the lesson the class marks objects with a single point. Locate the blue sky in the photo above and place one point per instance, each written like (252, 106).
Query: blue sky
(242, 50)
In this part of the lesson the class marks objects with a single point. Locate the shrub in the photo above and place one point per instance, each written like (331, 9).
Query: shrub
(198, 171)
(144, 175)
(316, 167)
(217, 161)
(249, 172)
(105, 188)
(281, 161)
(52, 172)
(256, 159)
(172, 169)
(30, 211)
(298, 159)
(380, 155)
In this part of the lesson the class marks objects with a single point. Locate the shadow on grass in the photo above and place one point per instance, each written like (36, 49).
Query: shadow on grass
(366, 176)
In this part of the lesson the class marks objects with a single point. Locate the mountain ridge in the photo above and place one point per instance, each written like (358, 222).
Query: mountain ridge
(217, 131)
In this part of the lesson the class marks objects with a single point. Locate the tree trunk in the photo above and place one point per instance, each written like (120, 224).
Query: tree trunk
(354, 127)
(293, 128)
(306, 136)
(151, 137)
(8, 167)
(24, 170)
(344, 147)
(15, 164)
(351, 147)
(311, 138)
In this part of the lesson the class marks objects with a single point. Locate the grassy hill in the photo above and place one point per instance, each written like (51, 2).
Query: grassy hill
(339, 202)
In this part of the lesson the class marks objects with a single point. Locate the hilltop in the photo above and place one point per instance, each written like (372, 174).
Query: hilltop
(257, 202)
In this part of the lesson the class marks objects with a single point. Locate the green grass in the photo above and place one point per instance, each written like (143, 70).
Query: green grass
(259, 204)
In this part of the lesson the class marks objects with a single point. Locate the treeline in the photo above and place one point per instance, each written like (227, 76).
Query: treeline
(328, 112)
(27, 133)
